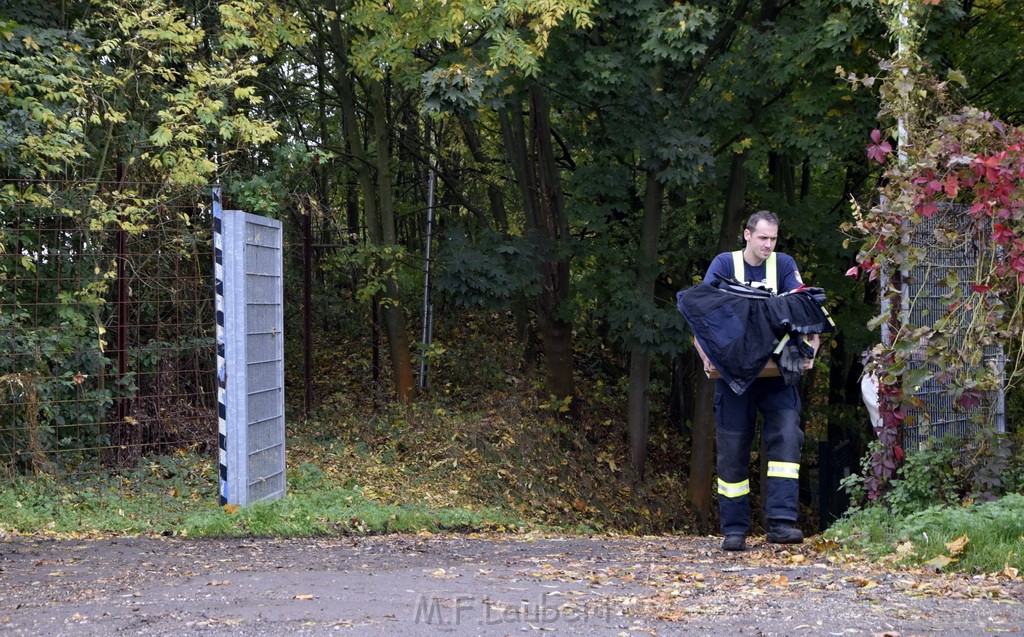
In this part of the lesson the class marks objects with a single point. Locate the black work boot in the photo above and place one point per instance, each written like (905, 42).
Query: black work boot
(784, 532)
(734, 543)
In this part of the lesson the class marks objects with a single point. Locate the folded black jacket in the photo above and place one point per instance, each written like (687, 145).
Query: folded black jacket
(740, 328)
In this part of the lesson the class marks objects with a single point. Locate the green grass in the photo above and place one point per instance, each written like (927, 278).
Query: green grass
(177, 495)
(315, 505)
(994, 532)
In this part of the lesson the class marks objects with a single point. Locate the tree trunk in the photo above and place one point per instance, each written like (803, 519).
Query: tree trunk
(780, 167)
(393, 313)
(533, 163)
(640, 358)
(702, 452)
(702, 456)
(553, 225)
(378, 202)
(494, 194)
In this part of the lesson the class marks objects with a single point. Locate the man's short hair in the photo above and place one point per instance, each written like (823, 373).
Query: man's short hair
(762, 215)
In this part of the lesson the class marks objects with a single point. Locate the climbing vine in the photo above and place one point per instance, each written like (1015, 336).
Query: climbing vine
(966, 167)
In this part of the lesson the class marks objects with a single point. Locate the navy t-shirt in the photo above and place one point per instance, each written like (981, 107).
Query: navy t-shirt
(789, 276)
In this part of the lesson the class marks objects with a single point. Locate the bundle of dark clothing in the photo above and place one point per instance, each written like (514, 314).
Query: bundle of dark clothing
(740, 328)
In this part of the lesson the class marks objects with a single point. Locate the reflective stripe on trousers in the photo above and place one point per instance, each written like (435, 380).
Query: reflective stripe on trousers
(733, 489)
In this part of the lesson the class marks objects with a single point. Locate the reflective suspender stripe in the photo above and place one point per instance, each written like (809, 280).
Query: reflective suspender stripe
(771, 269)
(778, 469)
(733, 489)
(782, 343)
(828, 316)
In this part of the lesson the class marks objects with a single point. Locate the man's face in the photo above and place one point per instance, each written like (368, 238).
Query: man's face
(761, 241)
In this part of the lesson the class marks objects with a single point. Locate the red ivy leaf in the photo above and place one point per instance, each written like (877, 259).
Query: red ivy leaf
(1001, 234)
(1003, 191)
(853, 272)
(1015, 259)
(981, 289)
(978, 208)
(988, 167)
(879, 148)
(951, 186)
(969, 399)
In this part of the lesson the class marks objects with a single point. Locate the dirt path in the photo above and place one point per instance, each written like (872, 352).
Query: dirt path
(466, 585)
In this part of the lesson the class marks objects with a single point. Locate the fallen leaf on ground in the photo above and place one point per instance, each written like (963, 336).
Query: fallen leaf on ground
(956, 546)
(939, 562)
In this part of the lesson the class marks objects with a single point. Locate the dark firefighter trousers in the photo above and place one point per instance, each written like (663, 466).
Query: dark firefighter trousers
(781, 438)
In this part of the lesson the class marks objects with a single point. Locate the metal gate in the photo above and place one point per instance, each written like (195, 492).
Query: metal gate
(248, 267)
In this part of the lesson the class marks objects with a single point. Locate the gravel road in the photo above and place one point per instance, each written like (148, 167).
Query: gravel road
(425, 585)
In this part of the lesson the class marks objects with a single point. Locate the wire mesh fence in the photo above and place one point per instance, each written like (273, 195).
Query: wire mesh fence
(107, 349)
(951, 247)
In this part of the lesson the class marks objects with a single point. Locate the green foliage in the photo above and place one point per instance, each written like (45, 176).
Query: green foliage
(190, 99)
(995, 28)
(392, 39)
(639, 321)
(949, 472)
(455, 89)
(491, 272)
(135, 83)
(680, 32)
(377, 264)
(978, 538)
(54, 396)
(270, 192)
(41, 99)
(930, 477)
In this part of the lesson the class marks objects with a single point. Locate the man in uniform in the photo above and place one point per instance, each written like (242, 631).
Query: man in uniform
(782, 438)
